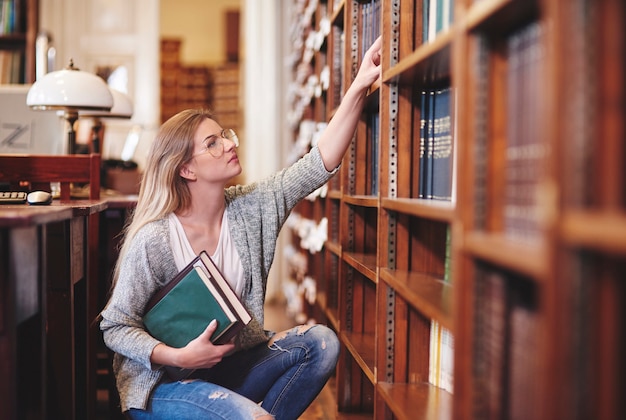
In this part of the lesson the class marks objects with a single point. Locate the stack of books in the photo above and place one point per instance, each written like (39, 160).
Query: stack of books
(182, 310)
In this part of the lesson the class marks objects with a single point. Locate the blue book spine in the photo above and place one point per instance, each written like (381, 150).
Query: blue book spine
(440, 18)
(442, 147)
(421, 193)
(430, 145)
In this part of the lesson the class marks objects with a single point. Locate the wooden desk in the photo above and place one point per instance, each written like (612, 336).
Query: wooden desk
(65, 275)
(112, 222)
(22, 326)
(72, 297)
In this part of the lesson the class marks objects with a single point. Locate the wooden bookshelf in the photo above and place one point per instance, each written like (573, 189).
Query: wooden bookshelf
(522, 268)
(20, 25)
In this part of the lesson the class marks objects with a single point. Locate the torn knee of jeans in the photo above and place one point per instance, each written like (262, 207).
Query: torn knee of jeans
(299, 330)
(218, 395)
(276, 337)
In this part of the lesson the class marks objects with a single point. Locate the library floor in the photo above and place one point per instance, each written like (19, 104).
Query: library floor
(323, 408)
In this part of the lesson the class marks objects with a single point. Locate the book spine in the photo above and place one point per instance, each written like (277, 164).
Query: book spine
(525, 150)
(432, 20)
(490, 344)
(447, 262)
(425, 19)
(480, 105)
(374, 150)
(421, 193)
(504, 369)
(447, 360)
(442, 147)
(523, 364)
(430, 145)
(439, 26)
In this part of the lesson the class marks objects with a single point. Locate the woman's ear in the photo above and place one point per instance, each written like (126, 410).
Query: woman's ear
(187, 173)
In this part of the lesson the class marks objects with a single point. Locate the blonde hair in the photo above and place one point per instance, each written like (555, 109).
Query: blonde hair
(163, 190)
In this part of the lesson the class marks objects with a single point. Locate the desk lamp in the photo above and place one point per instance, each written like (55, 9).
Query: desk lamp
(68, 91)
(122, 109)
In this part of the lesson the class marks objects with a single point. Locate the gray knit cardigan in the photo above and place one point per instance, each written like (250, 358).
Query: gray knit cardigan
(256, 212)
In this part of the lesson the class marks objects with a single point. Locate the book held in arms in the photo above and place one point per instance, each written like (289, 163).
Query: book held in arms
(182, 309)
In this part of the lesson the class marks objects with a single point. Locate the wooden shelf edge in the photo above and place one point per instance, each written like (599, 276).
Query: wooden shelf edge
(336, 17)
(498, 15)
(333, 247)
(416, 401)
(13, 38)
(18, 215)
(480, 11)
(594, 230)
(427, 294)
(361, 347)
(363, 263)
(531, 260)
(429, 209)
(361, 200)
(434, 55)
(354, 416)
(334, 194)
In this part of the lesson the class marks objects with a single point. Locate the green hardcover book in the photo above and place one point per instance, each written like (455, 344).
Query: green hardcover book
(183, 313)
(183, 309)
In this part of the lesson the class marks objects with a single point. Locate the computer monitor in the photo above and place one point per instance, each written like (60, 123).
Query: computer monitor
(23, 130)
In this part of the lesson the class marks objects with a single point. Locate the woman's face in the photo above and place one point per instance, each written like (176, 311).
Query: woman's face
(214, 157)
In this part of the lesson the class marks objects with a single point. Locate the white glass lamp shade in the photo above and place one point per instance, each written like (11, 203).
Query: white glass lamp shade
(70, 89)
(122, 107)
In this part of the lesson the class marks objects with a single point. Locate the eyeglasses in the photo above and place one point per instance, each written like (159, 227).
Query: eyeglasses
(215, 144)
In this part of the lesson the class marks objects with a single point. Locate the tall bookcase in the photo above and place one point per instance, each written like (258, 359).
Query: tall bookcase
(18, 31)
(475, 260)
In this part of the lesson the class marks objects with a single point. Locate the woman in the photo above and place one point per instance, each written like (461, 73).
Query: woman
(184, 208)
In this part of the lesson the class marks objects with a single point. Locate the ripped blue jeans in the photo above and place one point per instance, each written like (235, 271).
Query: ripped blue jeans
(284, 375)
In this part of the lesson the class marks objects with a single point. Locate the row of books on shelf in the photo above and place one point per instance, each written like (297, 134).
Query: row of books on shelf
(370, 19)
(435, 145)
(441, 357)
(526, 150)
(505, 368)
(11, 65)
(309, 132)
(312, 234)
(9, 17)
(306, 86)
(437, 15)
(441, 352)
(337, 57)
(307, 40)
(299, 287)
